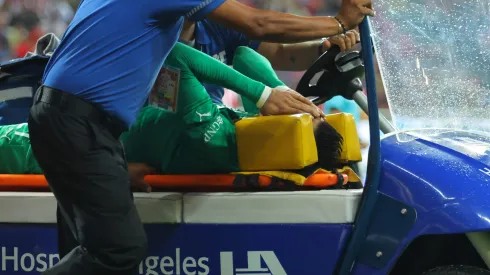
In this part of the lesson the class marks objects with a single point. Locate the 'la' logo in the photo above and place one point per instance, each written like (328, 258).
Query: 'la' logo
(272, 264)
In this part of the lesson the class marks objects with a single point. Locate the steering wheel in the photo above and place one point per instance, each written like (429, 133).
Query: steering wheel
(341, 75)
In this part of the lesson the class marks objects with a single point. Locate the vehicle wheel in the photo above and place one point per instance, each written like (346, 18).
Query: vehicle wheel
(457, 270)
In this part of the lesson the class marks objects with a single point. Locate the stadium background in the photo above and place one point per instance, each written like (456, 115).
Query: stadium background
(22, 22)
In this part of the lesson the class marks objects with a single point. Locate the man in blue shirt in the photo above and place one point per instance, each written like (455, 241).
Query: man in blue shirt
(221, 42)
(95, 84)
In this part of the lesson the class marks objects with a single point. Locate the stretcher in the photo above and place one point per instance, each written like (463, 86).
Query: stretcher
(9, 182)
(264, 162)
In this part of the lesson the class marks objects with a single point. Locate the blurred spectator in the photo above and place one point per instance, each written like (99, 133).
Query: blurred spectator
(29, 43)
(289, 6)
(28, 19)
(339, 104)
(22, 22)
(4, 44)
(58, 14)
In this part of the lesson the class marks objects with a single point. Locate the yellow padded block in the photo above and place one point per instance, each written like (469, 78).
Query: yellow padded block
(346, 126)
(276, 142)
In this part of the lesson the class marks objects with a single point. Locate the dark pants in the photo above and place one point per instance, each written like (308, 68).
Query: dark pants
(78, 149)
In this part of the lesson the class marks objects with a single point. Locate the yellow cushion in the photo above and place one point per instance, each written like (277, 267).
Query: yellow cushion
(346, 126)
(276, 142)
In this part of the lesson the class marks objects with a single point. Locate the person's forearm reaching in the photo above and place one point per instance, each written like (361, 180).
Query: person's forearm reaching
(300, 56)
(270, 26)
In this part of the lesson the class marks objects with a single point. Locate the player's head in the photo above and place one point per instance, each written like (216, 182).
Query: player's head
(328, 143)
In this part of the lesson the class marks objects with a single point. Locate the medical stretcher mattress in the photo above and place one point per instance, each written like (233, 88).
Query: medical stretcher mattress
(319, 206)
(299, 207)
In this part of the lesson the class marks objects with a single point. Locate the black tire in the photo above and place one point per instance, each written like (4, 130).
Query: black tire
(457, 270)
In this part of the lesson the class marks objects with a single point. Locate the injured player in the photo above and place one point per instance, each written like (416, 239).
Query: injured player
(182, 131)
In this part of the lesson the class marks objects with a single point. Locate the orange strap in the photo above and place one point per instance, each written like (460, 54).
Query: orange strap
(10, 182)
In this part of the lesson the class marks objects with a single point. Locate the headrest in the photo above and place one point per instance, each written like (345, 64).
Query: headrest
(287, 142)
(346, 126)
(276, 142)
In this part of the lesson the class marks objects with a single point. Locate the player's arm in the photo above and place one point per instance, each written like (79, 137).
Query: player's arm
(271, 26)
(207, 69)
(300, 56)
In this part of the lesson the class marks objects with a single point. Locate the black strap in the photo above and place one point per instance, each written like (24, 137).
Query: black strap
(239, 180)
(306, 171)
(288, 185)
(252, 181)
(340, 180)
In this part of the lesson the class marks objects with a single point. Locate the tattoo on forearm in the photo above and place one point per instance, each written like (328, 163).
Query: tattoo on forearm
(292, 58)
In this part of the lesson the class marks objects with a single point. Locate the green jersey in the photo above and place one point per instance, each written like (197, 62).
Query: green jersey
(188, 133)
(185, 132)
(15, 151)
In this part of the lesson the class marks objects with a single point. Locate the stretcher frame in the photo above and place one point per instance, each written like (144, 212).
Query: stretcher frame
(16, 182)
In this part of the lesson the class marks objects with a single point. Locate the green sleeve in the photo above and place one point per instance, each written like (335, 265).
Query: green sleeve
(207, 69)
(254, 65)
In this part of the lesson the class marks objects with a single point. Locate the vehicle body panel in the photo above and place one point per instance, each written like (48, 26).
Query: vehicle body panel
(438, 177)
(444, 176)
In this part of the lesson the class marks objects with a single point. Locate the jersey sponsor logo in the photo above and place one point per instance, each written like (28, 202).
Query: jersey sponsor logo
(203, 115)
(212, 129)
(259, 263)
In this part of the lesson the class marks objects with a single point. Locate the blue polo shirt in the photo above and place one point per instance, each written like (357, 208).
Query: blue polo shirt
(112, 51)
(219, 42)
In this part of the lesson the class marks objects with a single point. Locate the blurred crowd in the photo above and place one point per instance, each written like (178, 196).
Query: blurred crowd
(23, 22)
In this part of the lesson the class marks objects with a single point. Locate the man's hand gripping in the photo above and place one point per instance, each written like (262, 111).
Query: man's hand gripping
(289, 102)
(138, 171)
(352, 12)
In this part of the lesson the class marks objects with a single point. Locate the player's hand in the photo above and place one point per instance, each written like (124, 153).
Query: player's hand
(288, 102)
(352, 12)
(138, 171)
(344, 42)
